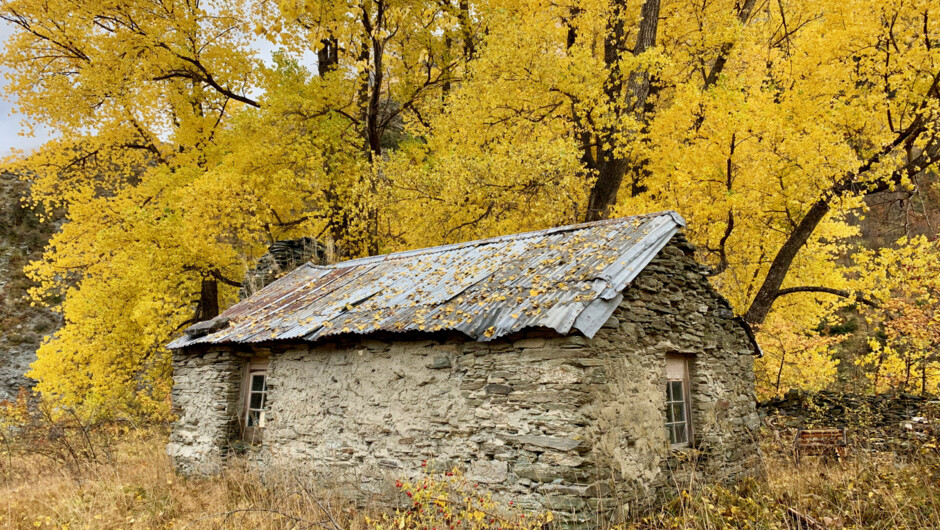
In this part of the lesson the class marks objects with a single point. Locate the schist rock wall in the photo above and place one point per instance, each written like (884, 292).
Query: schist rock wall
(22, 325)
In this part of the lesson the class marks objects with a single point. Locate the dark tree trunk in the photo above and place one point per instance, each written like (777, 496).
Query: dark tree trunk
(328, 56)
(604, 193)
(208, 307)
(611, 169)
(370, 90)
(373, 114)
(466, 27)
(780, 266)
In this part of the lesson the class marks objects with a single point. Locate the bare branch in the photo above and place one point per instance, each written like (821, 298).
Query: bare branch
(828, 290)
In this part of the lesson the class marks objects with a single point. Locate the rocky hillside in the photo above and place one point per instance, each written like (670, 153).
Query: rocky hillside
(22, 326)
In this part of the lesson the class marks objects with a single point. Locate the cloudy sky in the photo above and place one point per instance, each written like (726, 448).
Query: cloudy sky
(10, 126)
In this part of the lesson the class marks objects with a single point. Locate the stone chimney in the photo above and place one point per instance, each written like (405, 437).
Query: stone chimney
(282, 257)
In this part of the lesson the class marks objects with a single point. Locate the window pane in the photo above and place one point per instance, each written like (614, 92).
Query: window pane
(677, 393)
(257, 382)
(257, 400)
(678, 412)
(253, 418)
(680, 437)
(669, 416)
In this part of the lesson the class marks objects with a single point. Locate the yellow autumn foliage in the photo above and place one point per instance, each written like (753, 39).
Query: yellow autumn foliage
(180, 154)
(906, 283)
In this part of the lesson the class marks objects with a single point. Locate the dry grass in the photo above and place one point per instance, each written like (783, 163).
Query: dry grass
(130, 484)
(136, 487)
(875, 490)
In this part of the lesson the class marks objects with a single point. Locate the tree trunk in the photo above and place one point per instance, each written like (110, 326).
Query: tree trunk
(780, 266)
(466, 27)
(783, 356)
(328, 56)
(610, 175)
(208, 307)
(609, 167)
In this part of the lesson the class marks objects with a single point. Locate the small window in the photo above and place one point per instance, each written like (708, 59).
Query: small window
(678, 426)
(257, 395)
(255, 401)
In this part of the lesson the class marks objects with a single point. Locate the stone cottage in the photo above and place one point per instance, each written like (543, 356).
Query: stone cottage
(584, 369)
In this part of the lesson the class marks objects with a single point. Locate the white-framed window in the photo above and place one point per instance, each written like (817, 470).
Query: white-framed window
(257, 395)
(255, 401)
(678, 419)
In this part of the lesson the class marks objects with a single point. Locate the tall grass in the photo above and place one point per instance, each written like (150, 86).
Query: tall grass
(867, 490)
(128, 482)
(137, 488)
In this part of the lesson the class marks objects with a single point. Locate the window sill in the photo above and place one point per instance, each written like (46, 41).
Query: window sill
(684, 453)
(242, 447)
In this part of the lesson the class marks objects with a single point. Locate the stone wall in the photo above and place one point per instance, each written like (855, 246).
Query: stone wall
(281, 258)
(206, 400)
(835, 409)
(563, 423)
(22, 324)
(671, 309)
(899, 423)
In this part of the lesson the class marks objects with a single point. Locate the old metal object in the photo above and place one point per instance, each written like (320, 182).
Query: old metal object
(821, 442)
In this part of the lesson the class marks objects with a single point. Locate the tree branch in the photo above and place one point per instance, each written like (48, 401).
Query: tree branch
(218, 276)
(744, 14)
(851, 182)
(827, 290)
(722, 246)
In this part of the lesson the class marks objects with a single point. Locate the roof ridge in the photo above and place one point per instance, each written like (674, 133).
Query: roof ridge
(401, 254)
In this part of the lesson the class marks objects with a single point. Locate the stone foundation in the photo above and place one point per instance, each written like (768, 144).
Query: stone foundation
(565, 423)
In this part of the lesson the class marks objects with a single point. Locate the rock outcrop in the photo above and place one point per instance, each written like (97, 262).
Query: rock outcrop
(22, 325)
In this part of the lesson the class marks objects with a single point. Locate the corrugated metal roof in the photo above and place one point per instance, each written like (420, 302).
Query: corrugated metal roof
(560, 278)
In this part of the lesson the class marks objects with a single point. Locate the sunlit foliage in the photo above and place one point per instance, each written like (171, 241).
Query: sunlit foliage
(907, 283)
(180, 154)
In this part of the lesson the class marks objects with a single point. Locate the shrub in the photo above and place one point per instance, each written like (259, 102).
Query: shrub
(449, 501)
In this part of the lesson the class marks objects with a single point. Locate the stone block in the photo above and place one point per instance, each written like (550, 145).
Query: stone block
(498, 389)
(546, 442)
(529, 343)
(564, 374)
(542, 473)
(554, 458)
(440, 362)
(575, 341)
(564, 503)
(473, 384)
(488, 472)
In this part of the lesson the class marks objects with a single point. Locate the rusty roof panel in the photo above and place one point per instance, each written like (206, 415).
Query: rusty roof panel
(562, 278)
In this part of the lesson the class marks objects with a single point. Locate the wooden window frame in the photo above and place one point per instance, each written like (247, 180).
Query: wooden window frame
(677, 371)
